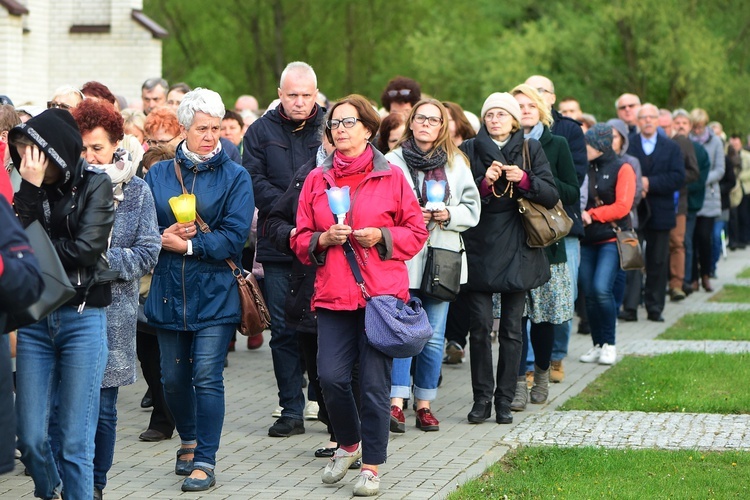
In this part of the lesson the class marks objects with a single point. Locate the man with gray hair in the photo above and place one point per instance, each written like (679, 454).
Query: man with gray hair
(275, 146)
(154, 94)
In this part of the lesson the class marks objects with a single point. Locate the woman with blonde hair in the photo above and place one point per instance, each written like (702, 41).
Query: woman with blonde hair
(426, 152)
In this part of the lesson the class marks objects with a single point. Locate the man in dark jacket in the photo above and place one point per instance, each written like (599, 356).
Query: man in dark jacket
(663, 168)
(276, 145)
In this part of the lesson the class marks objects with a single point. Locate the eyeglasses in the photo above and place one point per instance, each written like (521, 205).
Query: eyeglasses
(626, 106)
(500, 115)
(403, 92)
(543, 90)
(154, 142)
(432, 120)
(348, 122)
(648, 117)
(58, 105)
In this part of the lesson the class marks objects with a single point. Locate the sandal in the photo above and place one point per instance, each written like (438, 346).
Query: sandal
(184, 467)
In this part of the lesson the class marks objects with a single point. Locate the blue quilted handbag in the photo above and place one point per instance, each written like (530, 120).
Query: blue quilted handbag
(395, 328)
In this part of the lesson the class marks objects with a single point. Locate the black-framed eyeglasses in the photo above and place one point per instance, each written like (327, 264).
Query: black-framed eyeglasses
(154, 142)
(403, 92)
(626, 106)
(432, 120)
(58, 105)
(347, 122)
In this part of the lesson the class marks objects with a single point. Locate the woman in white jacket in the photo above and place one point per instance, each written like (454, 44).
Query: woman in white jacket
(425, 152)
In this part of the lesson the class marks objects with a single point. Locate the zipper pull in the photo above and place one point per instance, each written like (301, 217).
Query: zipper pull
(80, 308)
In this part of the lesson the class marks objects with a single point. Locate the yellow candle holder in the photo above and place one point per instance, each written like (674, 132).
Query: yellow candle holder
(183, 207)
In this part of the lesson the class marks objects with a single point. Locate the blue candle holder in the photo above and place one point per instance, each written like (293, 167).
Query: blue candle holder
(339, 202)
(435, 195)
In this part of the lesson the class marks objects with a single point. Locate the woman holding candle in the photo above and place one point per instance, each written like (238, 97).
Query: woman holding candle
(133, 250)
(194, 302)
(385, 228)
(426, 153)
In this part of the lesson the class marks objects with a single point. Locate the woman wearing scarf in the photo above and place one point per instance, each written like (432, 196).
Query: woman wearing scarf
(426, 152)
(499, 259)
(552, 303)
(385, 228)
(193, 301)
(133, 249)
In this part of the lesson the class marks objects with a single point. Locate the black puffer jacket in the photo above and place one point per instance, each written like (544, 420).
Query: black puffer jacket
(274, 149)
(81, 207)
(281, 221)
(498, 256)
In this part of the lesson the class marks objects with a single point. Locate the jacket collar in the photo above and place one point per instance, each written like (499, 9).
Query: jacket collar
(211, 164)
(379, 163)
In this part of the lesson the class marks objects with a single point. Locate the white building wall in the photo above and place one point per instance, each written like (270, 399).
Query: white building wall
(53, 57)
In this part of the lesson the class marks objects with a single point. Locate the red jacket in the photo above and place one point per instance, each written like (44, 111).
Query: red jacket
(383, 200)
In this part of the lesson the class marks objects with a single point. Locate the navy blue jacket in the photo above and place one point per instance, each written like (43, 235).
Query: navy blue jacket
(189, 293)
(665, 170)
(275, 148)
(571, 130)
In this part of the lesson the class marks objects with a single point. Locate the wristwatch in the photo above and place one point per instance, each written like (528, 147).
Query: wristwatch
(189, 248)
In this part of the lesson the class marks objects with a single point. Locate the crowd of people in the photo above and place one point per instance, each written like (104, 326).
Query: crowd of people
(152, 283)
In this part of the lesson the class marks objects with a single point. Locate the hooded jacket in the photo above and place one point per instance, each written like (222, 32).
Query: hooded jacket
(275, 147)
(190, 293)
(499, 258)
(77, 211)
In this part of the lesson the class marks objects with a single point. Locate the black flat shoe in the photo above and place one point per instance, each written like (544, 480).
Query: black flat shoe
(480, 412)
(503, 415)
(152, 436)
(147, 401)
(325, 452)
(183, 467)
(192, 484)
(657, 317)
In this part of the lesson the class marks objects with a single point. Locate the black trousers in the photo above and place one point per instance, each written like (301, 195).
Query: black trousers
(657, 269)
(147, 349)
(703, 247)
(457, 324)
(509, 337)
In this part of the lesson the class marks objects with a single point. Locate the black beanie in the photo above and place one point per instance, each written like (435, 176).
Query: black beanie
(56, 133)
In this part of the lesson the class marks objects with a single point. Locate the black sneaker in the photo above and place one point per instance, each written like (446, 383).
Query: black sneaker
(287, 426)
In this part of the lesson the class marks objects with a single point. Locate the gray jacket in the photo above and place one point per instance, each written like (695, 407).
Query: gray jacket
(715, 149)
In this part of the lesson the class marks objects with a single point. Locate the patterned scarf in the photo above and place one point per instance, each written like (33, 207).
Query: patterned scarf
(431, 163)
(344, 166)
(197, 159)
(121, 170)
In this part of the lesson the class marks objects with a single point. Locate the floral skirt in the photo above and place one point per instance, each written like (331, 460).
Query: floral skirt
(550, 303)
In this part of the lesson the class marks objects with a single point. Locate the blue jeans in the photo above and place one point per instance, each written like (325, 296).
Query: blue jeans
(283, 344)
(562, 331)
(429, 361)
(192, 371)
(719, 227)
(600, 265)
(105, 436)
(61, 358)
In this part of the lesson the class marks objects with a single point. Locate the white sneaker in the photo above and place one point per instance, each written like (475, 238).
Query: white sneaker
(367, 485)
(339, 464)
(277, 412)
(311, 410)
(592, 356)
(608, 355)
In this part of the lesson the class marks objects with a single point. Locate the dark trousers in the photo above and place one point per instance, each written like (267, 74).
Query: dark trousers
(341, 343)
(509, 338)
(147, 348)
(702, 247)
(657, 269)
(457, 324)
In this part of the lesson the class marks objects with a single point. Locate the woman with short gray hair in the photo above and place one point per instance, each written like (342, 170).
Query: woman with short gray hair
(193, 302)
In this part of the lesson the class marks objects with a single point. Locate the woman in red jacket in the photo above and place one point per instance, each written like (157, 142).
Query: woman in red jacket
(385, 228)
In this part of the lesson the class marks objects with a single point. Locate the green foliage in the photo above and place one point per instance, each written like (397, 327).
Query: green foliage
(681, 382)
(553, 472)
(673, 53)
(712, 326)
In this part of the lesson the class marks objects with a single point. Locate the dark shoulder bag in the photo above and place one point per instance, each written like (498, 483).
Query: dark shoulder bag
(441, 279)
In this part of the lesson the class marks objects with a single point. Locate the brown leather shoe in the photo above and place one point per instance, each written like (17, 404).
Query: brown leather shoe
(152, 436)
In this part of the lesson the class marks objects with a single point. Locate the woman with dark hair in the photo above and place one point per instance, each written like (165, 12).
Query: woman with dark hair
(400, 95)
(193, 302)
(426, 152)
(98, 90)
(499, 259)
(133, 250)
(383, 228)
(61, 359)
(459, 127)
(391, 129)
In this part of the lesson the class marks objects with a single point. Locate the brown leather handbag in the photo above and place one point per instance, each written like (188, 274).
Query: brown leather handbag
(255, 316)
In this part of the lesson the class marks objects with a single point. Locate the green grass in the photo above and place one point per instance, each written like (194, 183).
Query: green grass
(732, 293)
(745, 273)
(581, 473)
(680, 382)
(710, 326)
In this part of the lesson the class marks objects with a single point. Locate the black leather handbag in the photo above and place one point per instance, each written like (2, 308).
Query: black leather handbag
(57, 287)
(441, 279)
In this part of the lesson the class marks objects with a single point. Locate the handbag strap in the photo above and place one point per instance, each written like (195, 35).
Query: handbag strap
(202, 224)
(349, 252)
(525, 156)
(598, 202)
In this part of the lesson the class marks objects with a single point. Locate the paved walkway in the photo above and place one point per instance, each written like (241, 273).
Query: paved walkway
(420, 465)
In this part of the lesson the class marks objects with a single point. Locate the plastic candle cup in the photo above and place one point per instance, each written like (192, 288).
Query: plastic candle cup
(183, 207)
(338, 201)
(435, 195)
